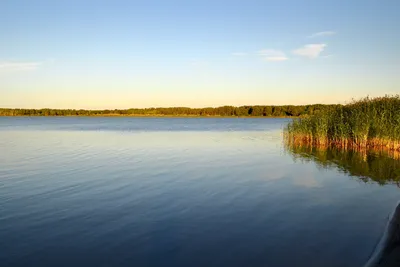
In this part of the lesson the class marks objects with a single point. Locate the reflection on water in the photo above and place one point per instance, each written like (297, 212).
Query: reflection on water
(177, 192)
(369, 166)
(381, 167)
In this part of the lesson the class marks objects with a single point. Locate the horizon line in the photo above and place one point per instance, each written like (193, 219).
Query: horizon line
(161, 107)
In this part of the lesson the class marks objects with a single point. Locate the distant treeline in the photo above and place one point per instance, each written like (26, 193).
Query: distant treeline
(257, 111)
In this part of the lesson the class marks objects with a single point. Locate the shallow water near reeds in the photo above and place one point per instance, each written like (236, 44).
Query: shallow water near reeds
(184, 192)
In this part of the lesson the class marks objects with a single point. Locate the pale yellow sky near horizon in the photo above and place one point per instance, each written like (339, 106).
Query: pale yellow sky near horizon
(202, 88)
(132, 100)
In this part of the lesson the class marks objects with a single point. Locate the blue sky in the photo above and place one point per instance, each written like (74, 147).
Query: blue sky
(121, 54)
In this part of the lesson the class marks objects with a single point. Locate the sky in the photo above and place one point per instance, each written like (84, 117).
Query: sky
(125, 54)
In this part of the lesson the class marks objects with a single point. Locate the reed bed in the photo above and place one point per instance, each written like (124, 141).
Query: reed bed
(362, 124)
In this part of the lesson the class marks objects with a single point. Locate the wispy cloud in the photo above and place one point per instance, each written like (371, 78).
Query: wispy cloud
(310, 50)
(239, 54)
(18, 66)
(273, 55)
(322, 34)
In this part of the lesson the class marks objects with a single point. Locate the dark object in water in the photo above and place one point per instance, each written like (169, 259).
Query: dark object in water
(387, 252)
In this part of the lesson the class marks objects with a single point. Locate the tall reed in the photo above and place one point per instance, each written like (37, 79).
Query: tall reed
(366, 123)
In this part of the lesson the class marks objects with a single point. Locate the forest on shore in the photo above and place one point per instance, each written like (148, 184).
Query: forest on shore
(224, 111)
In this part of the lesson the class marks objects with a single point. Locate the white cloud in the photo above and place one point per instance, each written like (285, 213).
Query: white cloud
(310, 50)
(322, 34)
(273, 55)
(239, 54)
(18, 66)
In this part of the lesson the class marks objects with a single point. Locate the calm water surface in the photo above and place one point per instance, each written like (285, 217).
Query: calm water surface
(178, 192)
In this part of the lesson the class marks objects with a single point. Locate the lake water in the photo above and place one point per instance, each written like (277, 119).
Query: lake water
(178, 192)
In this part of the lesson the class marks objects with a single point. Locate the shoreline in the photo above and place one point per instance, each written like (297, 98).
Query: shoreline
(364, 151)
(374, 144)
(157, 116)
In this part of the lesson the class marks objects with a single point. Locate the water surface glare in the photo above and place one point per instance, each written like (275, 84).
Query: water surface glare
(177, 192)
